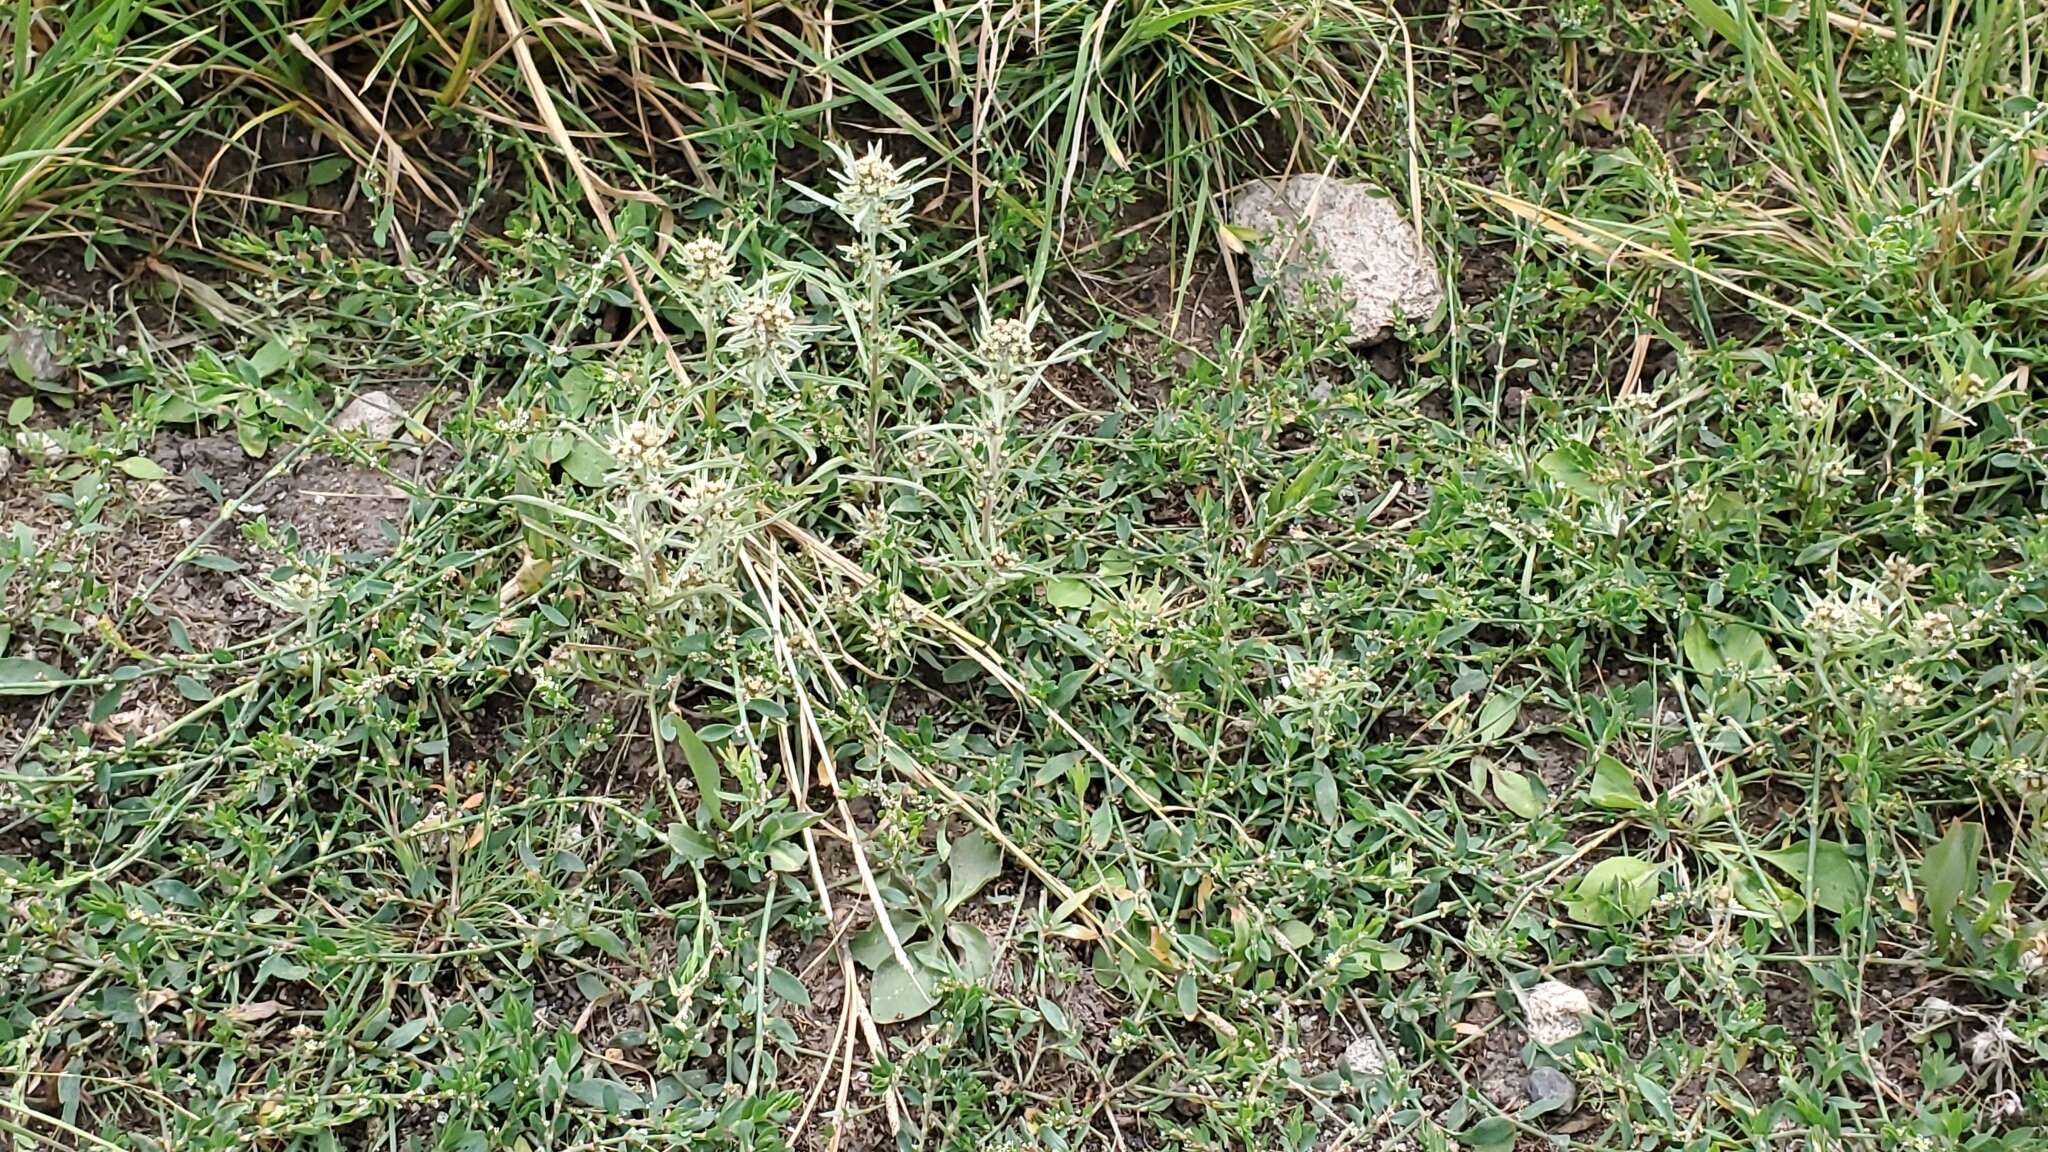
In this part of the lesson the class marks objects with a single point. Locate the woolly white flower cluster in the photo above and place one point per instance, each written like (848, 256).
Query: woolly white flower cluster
(873, 193)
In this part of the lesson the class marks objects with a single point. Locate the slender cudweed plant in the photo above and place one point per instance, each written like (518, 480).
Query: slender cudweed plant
(1008, 364)
(872, 193)
(707, 285)
(763, 331)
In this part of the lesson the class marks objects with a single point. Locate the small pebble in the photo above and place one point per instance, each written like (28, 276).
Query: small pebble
(1556, 1012)
(33, 354)
(1549, 1086)
(1365, 1057)
(374, 414)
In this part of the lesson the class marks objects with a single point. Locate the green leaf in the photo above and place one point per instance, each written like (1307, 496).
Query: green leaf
(973, 861)
(690, 844)
(1699, 649)
(869, 947)
(576, 390)
(895, 996)
(787, 856)
(279, 967)
(587, 464)
(788, 987)
(20, 676)
(1744, 647)
(17, 362)
(1614, 786)
(977, 955)
(325, 170)
(1715, 19)
(1518, 791)
(703, 766)
(1570, 466)
(1615, 891)
(1759, 893)
(1950, 870)
(403, 1035)
(606, 1095)
(1068, 592)
(1055, 1016)
(1728, 646)
(1836, 883)
(253, 437)
(20, 410)
(1328, 800)
(143, 468)
(1497, 715)
(1493, 1134)
(274, 354)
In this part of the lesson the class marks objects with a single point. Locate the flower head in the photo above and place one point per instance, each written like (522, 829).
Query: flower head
(1904, 691)
(1807, 407)
(873, 191)
(1841, 622)
(1935, 632)
(1006, 343)
(763, 327)
(639, 446)
(706, 264)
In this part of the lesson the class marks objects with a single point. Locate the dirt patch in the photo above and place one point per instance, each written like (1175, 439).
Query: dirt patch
(342, 507)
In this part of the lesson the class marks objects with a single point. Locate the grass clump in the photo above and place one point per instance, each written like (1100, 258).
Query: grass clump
(609, 576)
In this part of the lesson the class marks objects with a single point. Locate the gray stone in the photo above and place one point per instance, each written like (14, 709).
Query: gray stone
(1552, 1088)
(1365, 1057)
(1310, 229)
(374, 414)
(32, 352)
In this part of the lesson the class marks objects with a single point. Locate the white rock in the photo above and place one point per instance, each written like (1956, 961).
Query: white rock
(1365, 1057)
(1556, 1012)
(375, 414)
(1311, 229)
(38, 446)
(33, 354)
